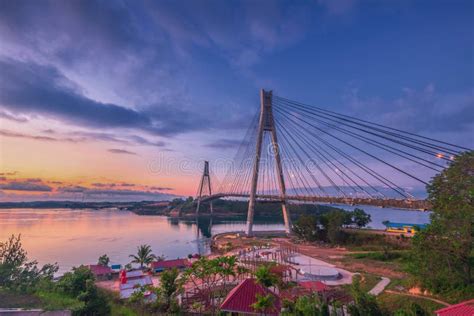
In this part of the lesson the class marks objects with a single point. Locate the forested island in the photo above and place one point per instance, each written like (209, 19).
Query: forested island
(178, 207)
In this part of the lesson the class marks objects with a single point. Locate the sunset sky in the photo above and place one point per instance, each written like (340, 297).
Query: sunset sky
(125, 100)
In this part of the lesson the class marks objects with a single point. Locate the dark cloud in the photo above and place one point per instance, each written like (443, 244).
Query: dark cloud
(11, 117)
(83, 137)
(110, 192)
(12, 134)
(418, 111)
(127, 184)
(161, 188)
(122, 139)
(35, 180)
(11, 173)
(139, 51)
(145, 55)
(103, 185)
(120, 151)
(25, 186)
(143, 141)
(72, 189)
(225, 143)
(30, 88)
(43, 90)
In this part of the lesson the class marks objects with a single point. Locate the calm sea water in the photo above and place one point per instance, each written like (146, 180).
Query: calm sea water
(74, 237)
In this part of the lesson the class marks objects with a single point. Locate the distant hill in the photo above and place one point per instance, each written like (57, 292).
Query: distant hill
(76, 204)
(225, 207)
(177, 207)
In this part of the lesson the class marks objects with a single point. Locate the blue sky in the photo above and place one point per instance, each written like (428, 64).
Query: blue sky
(182, 77)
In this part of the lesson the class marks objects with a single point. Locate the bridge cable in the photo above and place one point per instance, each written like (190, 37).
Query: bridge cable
(383, 146)
(427, 151)
(317, 150)
(384, 180)
(368, 122)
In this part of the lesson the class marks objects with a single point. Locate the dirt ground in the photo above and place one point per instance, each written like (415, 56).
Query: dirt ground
(337, 256)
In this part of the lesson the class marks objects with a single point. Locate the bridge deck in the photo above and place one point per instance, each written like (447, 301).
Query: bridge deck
(397, 203)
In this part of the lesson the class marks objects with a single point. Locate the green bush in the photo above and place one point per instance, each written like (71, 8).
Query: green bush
(379, 256)
(16, 272)
(75, 282)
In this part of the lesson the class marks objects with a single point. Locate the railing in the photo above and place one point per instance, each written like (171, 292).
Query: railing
(397, 203)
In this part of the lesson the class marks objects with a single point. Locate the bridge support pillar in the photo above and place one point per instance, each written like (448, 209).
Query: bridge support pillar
(205, 181)
(267, 124)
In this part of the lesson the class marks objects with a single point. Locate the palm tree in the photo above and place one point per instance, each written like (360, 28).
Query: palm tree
(265, 277)
(144, 255)
(241, 272)
(227, 266)
(104, 260)
(263, 303)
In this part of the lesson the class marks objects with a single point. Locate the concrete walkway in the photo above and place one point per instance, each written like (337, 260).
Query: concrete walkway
(379, 287)
(303, 263)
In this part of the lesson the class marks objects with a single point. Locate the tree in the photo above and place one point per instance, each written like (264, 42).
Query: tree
(360, 218)
(75, 282)
(16, 272)
(306, 227)
(333, 222)
(263, 303)
(169, 286)
(307, 305)
(104, 260)
(95, 302)
(227, 267)
(364, 303)
(204, 275)
(442, 254)
(413, 310)
(144, 256)
(79, 284)
(265, 277)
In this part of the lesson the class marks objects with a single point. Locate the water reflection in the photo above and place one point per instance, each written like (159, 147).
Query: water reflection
(74, 237)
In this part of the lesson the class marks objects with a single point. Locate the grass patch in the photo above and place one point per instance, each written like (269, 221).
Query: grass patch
(458, 295)
(368, 281)
(381, 256)
(44, 300)
(122, 310)
(9, 299)
(117, 306)
(367, 240)
(55, 300)
(393, 302)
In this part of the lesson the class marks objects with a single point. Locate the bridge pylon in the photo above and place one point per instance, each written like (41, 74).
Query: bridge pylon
(205, 181)
(267, 125)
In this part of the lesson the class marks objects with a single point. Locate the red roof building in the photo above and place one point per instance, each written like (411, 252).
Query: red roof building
(314, 286)
(462, 309)
(99, 270)
(159, 266)
(244, 295)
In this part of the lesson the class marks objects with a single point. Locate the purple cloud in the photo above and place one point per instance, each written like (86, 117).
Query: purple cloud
(120, 151)
(25, 186)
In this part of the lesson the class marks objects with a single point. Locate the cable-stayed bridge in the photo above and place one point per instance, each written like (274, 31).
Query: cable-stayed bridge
(297, 152)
